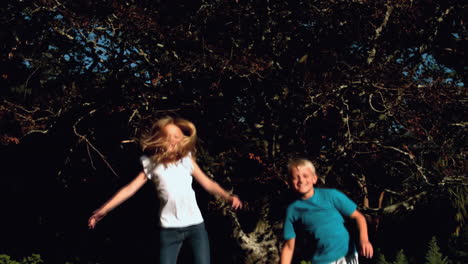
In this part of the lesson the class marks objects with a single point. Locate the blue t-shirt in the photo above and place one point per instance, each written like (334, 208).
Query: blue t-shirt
(322, 217)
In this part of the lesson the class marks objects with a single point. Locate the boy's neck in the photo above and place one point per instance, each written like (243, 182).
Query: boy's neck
(308, 195)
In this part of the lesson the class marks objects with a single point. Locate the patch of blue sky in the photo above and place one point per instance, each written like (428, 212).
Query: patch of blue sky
(397, 127)
(309, 25)
(100, 50)
(145, 77)
(87, 61)
(413, 52)
(104, 42)
(88, 49)
(27, 63)
(143, 74)
(100, 68)
(127, 52)
(356, 47)
(102, 53)
(430, 62)
(92, 36)
(52, 47)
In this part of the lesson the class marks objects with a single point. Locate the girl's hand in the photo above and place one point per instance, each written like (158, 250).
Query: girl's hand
(95, 218)
(236, 203)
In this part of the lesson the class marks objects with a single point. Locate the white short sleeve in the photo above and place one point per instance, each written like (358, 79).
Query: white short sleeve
(148, 166)
(187, 162)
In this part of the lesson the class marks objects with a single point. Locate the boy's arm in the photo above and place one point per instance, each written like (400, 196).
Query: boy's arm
(365, 246)
(287, 251)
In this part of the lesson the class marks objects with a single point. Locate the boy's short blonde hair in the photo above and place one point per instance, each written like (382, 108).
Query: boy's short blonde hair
(294, 163)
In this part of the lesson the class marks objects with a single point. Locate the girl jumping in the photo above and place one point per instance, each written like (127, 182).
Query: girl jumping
(171, 167)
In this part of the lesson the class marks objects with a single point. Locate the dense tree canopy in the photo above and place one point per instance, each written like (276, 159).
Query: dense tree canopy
(372, 91)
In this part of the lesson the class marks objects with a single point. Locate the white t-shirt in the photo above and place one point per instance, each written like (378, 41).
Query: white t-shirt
(173, 182)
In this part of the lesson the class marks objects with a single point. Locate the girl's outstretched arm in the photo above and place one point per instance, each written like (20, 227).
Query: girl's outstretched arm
(212, 187)
(120, 196)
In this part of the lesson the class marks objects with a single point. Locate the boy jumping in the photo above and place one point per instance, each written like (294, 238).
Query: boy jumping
(321, 211)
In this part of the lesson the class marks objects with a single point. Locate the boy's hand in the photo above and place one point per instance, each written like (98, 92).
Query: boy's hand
(367, 249)
(236, 202)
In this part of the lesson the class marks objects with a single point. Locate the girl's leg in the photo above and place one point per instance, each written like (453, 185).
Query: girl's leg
(198, 240)
(170, 242)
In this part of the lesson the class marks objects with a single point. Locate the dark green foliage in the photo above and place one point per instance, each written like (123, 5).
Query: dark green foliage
(459, 198)
(5, 259)
(433, 255)
(400, 258)
(381, 259)
(33, 259)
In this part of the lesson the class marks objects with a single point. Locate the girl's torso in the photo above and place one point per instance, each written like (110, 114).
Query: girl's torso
(173, 182)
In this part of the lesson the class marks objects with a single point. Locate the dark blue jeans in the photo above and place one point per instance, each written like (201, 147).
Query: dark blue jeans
(171, 240)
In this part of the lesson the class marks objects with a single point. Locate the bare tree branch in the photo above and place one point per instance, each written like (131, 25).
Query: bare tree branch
(85, 139)
(378, 31)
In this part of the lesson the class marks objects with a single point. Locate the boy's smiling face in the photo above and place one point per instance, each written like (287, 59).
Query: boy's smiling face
(303, 179)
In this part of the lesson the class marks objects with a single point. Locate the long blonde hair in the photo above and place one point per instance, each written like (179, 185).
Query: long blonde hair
(155, 141)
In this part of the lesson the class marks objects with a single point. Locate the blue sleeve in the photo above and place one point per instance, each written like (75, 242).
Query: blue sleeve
(288, 227)
(344, 205)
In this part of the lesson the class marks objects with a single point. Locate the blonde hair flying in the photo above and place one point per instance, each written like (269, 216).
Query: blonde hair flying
(155, 141)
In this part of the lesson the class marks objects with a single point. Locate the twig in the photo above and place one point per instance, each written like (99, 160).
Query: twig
(85, 139)
(372, 106)
(377, 34)
(90, 157)
(408, 154)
